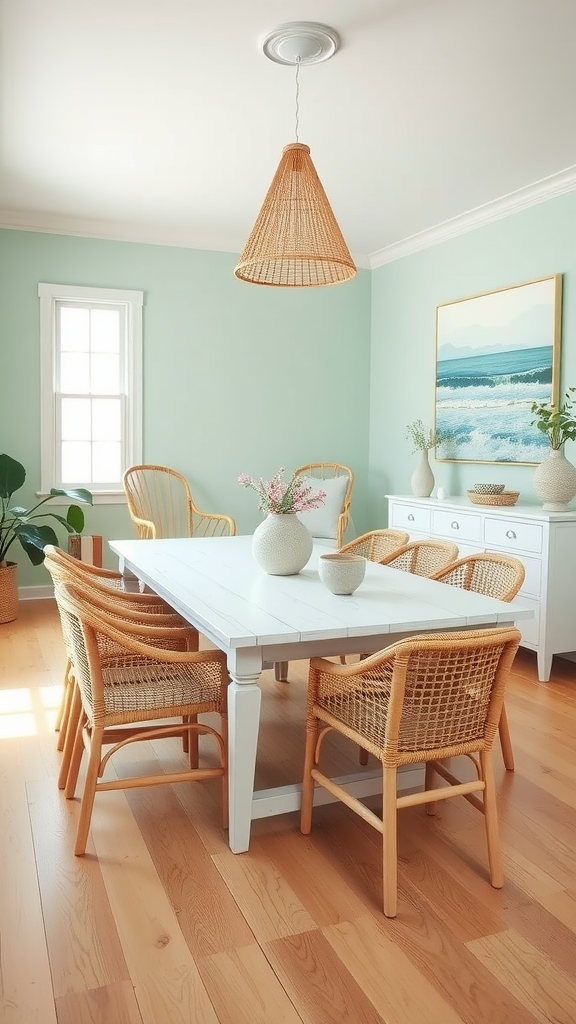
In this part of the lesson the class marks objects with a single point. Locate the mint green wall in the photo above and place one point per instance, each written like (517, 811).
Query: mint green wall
(237, 378)
(524, 246)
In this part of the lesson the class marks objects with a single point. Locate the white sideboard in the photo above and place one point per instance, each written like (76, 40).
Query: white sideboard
(545, 542)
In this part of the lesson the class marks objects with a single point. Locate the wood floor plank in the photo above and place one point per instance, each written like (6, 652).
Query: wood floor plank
(267, 901)
(112, 1004)
(245, 990)
(320, 888)
(166, 981)
(533, 879)
(25, 982)
(548, 992)
(318, 983)
(85, 951)
(387, 976)
(209, 918)
(563, 906)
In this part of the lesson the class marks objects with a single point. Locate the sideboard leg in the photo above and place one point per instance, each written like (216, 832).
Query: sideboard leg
(544, 665)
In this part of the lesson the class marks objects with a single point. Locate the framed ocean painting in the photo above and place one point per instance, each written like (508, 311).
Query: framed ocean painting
(497, 353)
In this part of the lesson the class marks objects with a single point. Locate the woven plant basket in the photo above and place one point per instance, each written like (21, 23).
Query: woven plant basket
(8, 592)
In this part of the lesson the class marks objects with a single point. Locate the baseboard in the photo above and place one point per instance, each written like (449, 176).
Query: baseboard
(35, 593)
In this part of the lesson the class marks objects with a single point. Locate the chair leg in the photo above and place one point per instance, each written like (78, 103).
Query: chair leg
(71, 726)
(75, 761)
(505, 741)
(89, 791)
(491, 821)
(430, 783)
(308, 781)
(389, 842)
(281, 671)
(64, 709)
(192, 744)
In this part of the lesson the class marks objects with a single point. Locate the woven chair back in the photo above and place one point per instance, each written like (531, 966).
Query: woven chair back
(159, 502)
(428, 697)
(423, 557)
(377, 544)
(495, 575)
(327, 471)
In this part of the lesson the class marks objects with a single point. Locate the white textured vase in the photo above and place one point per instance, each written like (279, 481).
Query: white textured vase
(281, 544)
(422, 481)
(555, 481)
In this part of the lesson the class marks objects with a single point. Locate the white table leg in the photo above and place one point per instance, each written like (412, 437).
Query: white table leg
(244, 699)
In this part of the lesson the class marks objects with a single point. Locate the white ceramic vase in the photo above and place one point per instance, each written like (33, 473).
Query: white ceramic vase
(555, 481)
(281, 544)
(422, 481)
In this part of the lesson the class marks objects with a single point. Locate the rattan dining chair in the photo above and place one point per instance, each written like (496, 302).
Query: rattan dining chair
(160, 504)
(329, 522)
(377, 544)
(495, 575)
(105, 586)
(131, 677)
(422, 557)
(421, 700)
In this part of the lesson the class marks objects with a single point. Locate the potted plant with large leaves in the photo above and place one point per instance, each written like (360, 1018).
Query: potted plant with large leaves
(555, 478)
(17, 523)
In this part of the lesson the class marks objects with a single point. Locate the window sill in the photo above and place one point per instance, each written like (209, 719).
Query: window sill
(98, 498)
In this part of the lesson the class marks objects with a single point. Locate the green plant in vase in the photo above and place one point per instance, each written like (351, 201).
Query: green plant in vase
(555, 478)
(21, 524)
(423, 440)
(558, 422)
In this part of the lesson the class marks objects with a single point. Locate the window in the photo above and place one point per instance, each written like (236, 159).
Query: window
(91, 389)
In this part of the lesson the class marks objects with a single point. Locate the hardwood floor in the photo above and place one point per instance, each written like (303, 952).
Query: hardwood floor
(160, 922)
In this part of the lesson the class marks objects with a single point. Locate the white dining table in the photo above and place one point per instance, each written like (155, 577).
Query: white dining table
(257, 620)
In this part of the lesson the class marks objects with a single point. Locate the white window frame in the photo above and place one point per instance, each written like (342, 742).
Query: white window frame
(132, 302)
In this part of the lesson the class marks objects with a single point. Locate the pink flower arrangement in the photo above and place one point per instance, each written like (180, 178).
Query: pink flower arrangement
(281, 498)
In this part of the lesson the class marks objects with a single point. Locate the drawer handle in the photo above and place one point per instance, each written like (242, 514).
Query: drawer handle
(510, 534)
(455, 525)
(410, 517)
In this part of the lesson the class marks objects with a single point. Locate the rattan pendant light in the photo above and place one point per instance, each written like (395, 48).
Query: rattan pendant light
(296, 241)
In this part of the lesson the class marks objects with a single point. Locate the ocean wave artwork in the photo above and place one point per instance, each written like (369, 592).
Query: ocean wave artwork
(485, 401)
(494, 360)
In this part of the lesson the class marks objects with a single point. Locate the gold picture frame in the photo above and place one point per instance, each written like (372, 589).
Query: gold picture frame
(496, 353)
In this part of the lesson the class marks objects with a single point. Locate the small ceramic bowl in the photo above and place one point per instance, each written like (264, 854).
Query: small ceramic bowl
(489, 488)
(342, 574)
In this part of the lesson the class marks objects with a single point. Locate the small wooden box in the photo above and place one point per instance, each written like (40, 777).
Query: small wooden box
(87, 549)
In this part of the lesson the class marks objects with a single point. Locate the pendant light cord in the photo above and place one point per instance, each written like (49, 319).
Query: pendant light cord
(297, 96)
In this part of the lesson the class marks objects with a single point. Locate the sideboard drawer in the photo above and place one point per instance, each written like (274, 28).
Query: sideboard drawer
(512, 535)
(456, 525)
(411, 518)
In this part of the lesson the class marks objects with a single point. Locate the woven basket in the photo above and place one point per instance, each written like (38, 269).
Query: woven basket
(8, 592)
(505, 498)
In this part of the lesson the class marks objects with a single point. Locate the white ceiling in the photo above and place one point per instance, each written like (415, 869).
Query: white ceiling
(161, 120)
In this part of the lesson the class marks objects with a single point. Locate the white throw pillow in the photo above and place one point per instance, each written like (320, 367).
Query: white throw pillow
(323, 521)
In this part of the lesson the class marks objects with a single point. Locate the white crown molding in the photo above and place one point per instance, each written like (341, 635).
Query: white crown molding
(110, 231)
(539, 192)
(531, 195)
(113, 231)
